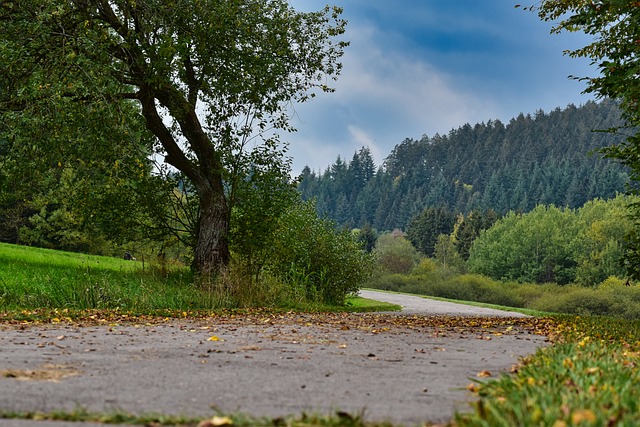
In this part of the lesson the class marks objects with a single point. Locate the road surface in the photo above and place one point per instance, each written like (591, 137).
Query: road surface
(402, 369)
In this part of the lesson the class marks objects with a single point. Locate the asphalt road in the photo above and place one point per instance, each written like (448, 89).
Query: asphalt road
(414, 305)
(277, 367)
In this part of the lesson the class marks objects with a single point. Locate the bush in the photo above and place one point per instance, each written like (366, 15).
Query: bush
(394, 282)
(576, 300)
(314, 259)
(483, 289)
(395, 254)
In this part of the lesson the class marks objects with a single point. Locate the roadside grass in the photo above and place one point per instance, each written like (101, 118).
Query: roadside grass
(589, 377)
(360, 304)
(527, 311)
(613, 297)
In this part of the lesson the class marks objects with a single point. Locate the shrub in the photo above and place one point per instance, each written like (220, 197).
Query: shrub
(576, 300)
(395, 254)
(484, 289)
(313, 258)
(394, 283)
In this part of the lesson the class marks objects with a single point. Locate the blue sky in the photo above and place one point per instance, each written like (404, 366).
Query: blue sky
(421, 67)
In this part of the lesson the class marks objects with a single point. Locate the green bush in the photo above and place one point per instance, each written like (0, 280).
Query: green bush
(550, 244)
(393, 282)
(316, 260)
(483, 289)
(395, 254)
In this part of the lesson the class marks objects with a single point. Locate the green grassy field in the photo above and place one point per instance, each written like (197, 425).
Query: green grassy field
(40, 278)
(34, 278)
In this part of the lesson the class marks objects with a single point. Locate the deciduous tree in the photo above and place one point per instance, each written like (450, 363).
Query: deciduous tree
(614, 25)
(211, 79)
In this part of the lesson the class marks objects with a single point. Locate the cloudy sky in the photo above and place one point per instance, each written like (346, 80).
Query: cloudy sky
(421, 67)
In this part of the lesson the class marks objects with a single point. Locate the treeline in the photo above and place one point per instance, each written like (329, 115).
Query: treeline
(550, 259)
(545, 158)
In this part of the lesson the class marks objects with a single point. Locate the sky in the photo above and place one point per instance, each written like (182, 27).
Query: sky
(425, 67)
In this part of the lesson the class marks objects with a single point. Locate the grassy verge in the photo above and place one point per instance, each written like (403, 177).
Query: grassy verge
(612, 297)
(588, 378)
(42, 285)
(526, 311)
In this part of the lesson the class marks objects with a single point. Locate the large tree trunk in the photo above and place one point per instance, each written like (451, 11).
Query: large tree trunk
(211, 253)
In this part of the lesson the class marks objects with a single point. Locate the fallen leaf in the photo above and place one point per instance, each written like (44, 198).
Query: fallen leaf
(216, 422)
(213, 338)
(484, 374)
(583, 415)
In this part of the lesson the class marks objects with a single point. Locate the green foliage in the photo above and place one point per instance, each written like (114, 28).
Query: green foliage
(600, 244)
(368, 236)
(538, 158)
(468, 228)
(532, 247)
(211, 81)
(550, 244)
(613, 26)
(447, 255)
(424, 229)
(612, 297)
(588, 377)
(317, 262)
(259, 202)
(395, 254)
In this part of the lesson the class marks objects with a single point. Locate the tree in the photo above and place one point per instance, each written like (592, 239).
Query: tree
(423, 229)
(209, 78)
(615, 49)
(538, 246)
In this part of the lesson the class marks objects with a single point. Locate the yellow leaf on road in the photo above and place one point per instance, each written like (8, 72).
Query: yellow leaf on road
(213, 338)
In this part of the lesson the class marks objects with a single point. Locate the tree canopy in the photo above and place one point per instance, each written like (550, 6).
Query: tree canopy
(211, 81)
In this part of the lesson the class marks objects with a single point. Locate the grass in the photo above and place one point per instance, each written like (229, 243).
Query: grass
(588, 378)
(42, 278)
(613, 297)
(44, 281)
(338, 419)
(526, 311)
(360, 304)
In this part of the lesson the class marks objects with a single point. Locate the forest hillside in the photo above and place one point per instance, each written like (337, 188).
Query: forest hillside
(541, 158)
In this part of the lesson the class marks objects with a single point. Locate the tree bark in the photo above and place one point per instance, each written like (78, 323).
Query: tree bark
(211, 253)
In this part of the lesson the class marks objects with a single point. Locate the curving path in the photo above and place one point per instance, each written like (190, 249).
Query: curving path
(412, 304)
(353, 363)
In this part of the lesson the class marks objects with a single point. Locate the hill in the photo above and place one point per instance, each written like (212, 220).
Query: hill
(544, 158)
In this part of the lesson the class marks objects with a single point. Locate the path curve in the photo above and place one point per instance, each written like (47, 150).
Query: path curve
(414, 304)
